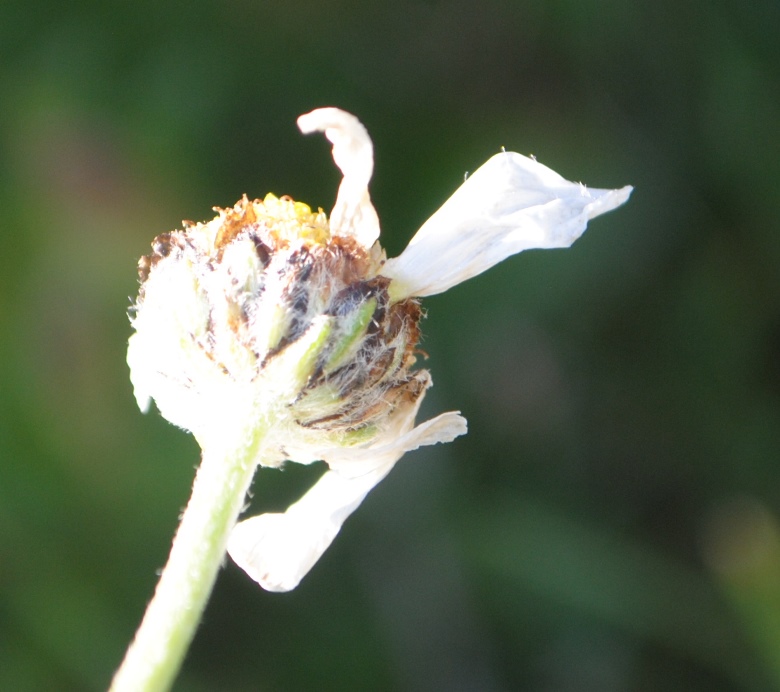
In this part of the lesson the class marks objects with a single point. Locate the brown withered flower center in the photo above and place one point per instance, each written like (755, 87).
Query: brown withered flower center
(267, 270)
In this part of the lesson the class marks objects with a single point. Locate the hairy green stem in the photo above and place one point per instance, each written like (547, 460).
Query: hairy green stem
(160, 645)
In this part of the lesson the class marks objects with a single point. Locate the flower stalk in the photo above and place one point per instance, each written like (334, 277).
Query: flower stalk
(168, 627)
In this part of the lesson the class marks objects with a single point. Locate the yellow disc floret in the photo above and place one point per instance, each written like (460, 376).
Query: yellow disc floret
(290, 220)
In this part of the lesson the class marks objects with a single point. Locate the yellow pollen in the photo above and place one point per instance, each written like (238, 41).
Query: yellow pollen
(289, 220)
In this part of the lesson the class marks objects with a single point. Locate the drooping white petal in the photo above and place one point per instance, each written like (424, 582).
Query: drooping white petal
(278, 550)
(353, 152)
(511, 203)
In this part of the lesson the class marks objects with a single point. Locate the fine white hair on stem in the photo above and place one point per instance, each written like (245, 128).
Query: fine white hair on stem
(510, 204)
(353, 214)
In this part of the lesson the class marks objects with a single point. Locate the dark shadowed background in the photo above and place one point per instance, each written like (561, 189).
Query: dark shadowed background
(612, 520)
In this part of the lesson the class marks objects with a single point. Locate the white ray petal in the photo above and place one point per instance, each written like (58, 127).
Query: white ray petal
(278, 550)
(511, 203)
(353, 152)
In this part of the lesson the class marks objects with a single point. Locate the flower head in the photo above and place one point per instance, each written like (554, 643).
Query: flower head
(274, 315)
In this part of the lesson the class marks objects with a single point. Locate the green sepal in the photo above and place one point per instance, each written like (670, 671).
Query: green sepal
(288, 372)
(351, 334)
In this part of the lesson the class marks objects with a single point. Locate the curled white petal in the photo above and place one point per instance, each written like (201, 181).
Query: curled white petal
(511, 203)
(278, 550)
(353, 152)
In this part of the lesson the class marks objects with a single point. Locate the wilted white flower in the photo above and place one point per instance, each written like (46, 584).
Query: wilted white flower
(273, 317)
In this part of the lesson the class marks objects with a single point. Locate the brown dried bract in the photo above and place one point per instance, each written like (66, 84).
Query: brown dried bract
(234, 220)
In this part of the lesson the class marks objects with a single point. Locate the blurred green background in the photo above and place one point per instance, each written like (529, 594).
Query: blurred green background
(611, 522)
